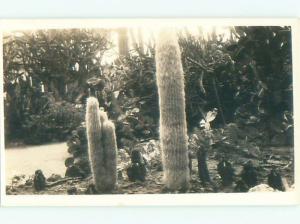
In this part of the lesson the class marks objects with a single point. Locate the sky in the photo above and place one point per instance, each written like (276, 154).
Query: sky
(149, 35)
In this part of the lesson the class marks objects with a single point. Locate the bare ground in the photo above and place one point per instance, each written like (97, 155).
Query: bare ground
(281, 158)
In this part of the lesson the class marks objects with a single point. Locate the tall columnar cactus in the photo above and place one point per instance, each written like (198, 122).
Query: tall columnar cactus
(173, 129)
(102, 146)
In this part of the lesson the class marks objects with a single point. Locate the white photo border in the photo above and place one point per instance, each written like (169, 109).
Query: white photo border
(217, 199)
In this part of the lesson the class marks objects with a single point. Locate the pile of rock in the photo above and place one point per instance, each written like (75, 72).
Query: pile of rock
(78, 164)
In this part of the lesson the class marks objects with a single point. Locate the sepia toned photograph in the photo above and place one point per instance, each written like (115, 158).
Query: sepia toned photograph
(187, 108)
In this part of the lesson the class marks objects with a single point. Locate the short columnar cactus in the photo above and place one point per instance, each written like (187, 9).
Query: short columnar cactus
(102, 146)
(173, 128)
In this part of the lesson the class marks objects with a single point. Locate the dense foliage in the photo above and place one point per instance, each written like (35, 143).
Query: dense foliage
(264, 82)
(247, 76)
(55, 58)
(43, 71)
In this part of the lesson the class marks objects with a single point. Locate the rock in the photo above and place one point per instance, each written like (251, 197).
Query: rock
(151, 152)
(19, 181)
(54, 177)
(16, 178)
(10, 190)
(29, 181)
(262, 188)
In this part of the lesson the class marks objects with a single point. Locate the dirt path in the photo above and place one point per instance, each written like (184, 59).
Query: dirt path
(26, 160)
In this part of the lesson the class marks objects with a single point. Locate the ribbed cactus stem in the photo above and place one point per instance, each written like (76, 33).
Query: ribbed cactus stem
(102, 146)
(103, 116)
(94, 135)
(173, 129)
(110, 153)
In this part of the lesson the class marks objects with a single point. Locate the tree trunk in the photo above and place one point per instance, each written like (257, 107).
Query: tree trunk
(123, 42)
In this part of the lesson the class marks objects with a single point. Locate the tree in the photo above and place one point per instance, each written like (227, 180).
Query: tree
(43, 67)
(56, 58)
(123, 42)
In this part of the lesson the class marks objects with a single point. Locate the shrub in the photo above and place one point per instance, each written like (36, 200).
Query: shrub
(54, 122)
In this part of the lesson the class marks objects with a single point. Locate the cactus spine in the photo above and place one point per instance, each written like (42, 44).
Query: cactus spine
(173, 129)
(102, 146)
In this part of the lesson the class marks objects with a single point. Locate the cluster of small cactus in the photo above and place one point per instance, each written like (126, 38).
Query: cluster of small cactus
(137, 170)
(102, 146)
(173, 128)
